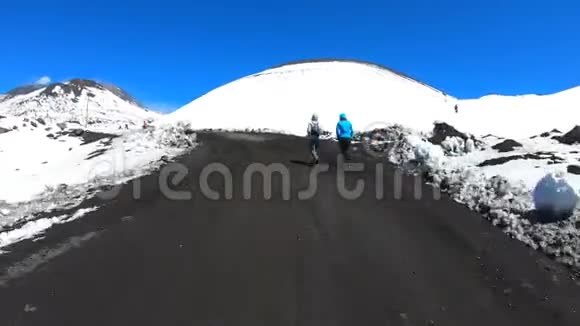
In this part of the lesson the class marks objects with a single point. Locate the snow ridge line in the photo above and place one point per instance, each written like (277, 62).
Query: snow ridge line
(362, 62)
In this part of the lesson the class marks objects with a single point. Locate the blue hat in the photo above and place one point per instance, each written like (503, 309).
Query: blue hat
(342, 116)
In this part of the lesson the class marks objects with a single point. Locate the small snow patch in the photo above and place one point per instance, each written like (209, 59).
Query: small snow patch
(127, 219)
(29, 308)
(29, 230)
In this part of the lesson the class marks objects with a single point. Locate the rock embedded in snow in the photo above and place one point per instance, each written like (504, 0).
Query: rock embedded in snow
(61, 125)
(4, 130)
(554, 198)
(507, 145)
(536, 156)
(389, 141)
(442, 131)
(574, 169)
(571, 137)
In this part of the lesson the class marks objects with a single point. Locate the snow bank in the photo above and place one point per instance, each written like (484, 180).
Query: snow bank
(36, 227)
(509, 203)
(28, 230)
(426, 153)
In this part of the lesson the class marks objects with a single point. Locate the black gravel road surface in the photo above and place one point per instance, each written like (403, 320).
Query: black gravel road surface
(327, 260)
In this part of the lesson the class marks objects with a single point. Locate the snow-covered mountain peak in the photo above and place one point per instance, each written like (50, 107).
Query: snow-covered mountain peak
(283, 98)
(94, 104)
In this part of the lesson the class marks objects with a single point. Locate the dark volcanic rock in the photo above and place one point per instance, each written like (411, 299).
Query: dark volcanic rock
(571, 137)
(544, 134)
(442, 130)
(507, 145)
(61, 125)
(536, 156)
(574, 169)
(4, 130)
(32, 123)
(89, 137)
(545, 217)
(547, 134)
(41, 121)
(27, 89)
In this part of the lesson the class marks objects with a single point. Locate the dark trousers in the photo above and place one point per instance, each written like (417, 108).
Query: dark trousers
(344, 144)
(314, 145)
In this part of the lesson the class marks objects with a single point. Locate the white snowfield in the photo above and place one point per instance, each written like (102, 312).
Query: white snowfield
(283, 99)
(519, 116)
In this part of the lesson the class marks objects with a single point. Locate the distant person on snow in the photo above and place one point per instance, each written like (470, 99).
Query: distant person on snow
(344, 134)
(313, 132)
(456, 108)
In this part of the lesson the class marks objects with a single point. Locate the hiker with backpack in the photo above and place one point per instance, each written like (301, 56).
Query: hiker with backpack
(313, 132)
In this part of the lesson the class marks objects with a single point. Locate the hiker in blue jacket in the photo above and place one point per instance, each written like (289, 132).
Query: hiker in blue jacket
(344, 134)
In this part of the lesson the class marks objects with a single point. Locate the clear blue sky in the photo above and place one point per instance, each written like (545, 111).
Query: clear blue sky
(169, 52)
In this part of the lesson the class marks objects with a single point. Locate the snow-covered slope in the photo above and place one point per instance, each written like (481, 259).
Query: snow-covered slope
(45, 171)
(60, 143)
(519, 116)
(284, 98)
(93, 105)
